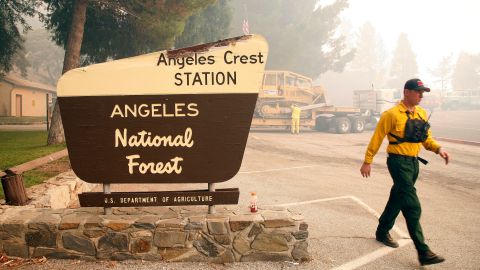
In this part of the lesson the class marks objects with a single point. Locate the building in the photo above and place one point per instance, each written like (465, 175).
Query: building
(20, 97)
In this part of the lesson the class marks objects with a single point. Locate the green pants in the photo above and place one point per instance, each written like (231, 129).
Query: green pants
(403, 197)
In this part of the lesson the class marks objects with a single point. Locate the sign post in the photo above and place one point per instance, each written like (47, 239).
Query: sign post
(211, 208)
(180, 116)
(106, 191)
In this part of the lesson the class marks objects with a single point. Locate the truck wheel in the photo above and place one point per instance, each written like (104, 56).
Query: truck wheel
(358, 125)
(372, 123)
(343, 125)
(321, 124)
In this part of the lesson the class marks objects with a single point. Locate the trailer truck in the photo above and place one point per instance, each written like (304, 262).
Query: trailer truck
(281, 89)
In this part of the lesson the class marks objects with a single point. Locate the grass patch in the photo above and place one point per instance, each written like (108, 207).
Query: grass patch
(47, 171)
(18, 147)
(43, 173)
(23, 120)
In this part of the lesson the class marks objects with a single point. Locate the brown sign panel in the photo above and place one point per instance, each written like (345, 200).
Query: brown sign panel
(169, 117)
(166, 198)
(210, 145)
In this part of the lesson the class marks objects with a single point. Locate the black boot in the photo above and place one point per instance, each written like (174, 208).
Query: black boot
(428, 257)
(386, 239)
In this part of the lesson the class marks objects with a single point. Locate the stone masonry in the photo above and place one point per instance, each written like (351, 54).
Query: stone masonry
(155, 233)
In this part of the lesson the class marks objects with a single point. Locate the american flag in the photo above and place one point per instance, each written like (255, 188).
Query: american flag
(245, 27)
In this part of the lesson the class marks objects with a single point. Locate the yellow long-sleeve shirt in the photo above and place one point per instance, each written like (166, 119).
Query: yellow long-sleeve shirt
(394, 120)
(295, 112)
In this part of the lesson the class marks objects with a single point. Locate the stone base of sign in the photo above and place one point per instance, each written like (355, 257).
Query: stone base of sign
(155, 233)
(58, 192)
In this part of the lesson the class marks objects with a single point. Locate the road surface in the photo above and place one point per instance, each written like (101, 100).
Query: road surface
(318, 175)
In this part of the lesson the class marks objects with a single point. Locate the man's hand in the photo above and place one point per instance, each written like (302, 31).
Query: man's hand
(365, 169)
(444, 155)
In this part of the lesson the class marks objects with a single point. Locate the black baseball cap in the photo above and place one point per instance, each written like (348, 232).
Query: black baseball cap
(416, 84)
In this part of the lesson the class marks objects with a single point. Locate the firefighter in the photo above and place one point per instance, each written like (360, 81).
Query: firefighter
(295, 119)
(406, 127)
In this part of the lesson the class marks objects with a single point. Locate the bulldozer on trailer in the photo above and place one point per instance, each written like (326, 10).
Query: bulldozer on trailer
(281, 89)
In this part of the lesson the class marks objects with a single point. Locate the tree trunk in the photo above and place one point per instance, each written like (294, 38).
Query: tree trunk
(55, 132)
(75, 37)
(71, 61)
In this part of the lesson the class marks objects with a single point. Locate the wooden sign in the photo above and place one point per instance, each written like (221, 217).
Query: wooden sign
(164, 198)
(180, 116)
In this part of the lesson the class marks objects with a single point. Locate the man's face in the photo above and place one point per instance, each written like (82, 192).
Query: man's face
(413, 97)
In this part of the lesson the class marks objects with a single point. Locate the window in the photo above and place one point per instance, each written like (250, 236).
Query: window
(270, 79)
(302, 83)
(290, 81)
(280, 79)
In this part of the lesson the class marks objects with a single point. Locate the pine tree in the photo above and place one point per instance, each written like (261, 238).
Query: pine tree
(404, 63)
(444, 72)
(466, 75)
(370, 55)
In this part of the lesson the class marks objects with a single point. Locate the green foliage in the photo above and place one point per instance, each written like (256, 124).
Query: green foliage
(404, 63)
(11, 18)
(211, 24)
(300, 38)
(118, 29)
(21, 146)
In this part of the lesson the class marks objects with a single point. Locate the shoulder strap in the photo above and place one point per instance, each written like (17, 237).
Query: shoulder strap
(428, 118)
(399, 139)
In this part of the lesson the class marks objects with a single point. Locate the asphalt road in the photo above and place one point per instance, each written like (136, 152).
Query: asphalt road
(284, 169)
(318, 175)
(460, 125)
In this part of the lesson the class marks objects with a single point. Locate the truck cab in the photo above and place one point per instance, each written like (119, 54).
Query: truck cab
(461, 99)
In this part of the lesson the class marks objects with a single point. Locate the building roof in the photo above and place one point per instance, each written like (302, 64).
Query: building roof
(21, 82)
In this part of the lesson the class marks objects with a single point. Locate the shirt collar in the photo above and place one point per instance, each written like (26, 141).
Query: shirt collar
(403, 108)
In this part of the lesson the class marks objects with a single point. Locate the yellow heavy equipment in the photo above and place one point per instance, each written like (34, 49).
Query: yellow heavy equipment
(281, 89)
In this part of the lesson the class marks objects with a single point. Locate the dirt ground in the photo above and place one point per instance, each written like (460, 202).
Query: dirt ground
(57, 166)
